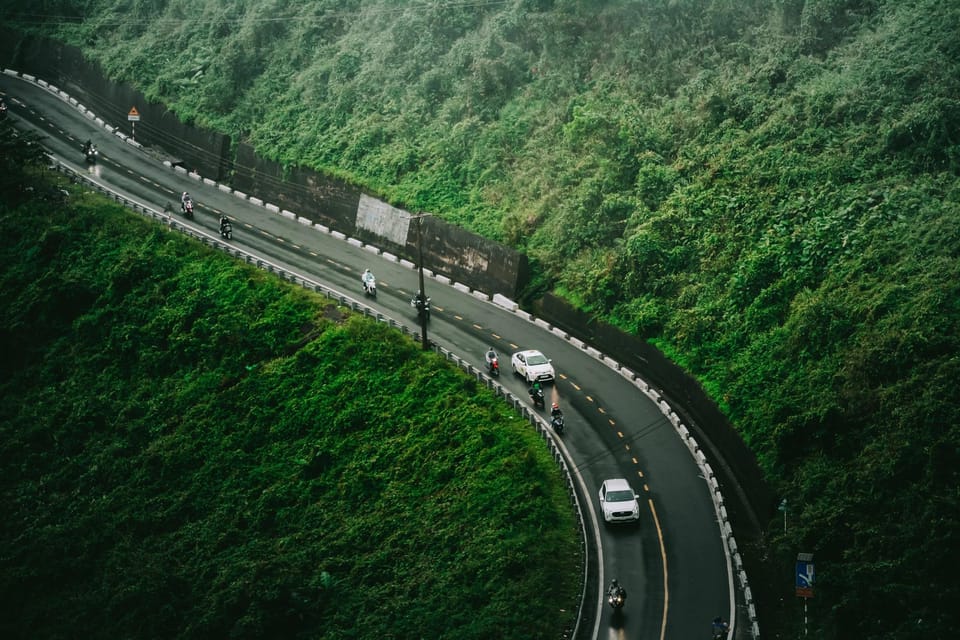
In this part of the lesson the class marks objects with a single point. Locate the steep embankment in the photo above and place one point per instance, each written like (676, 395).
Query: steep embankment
(191, 449)
(767, 190)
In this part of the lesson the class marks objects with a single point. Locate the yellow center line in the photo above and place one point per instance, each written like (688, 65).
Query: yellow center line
(663, 558)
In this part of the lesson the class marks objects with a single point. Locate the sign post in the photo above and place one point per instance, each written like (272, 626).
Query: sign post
(804, 575)
(134, 118)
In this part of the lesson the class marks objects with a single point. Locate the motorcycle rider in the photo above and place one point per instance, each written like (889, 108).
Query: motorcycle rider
(87, 145)
(536, 393)
(555, 411)
(617, 590)
(556, 418)
(421, 302)
(367, 278)
(720, 628)
(224, 223)
(491, 357)
(184, 199)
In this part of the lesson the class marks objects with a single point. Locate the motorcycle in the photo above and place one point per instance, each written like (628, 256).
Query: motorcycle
(90, 154)
(186, 207)
(557, 423)
(616, 597)
(720, 629)
(493, 364)
(536, 395)
(226, 229)
(3, 109)
(422, 305)
(370, 287)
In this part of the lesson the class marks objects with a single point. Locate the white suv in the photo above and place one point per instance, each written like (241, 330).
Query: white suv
(618, 501)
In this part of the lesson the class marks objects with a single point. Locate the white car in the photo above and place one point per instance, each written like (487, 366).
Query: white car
(618, 501)
(532, 365)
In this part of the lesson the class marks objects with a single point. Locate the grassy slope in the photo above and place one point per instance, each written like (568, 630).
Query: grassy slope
(768, 190)
(190, 449)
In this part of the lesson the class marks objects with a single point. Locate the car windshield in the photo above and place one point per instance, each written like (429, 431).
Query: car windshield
(619, 496)
(537, 358)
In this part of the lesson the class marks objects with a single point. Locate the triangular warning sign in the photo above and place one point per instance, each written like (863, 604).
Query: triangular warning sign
(133, 112)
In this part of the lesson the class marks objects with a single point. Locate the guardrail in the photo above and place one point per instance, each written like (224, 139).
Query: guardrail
(357, 306)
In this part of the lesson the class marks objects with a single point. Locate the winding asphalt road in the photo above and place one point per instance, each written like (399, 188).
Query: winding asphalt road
(673, 564)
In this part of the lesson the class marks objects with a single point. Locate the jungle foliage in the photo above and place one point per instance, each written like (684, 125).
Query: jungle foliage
(191, 449)
(766, 189)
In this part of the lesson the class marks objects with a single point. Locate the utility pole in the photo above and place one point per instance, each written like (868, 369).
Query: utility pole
(422, 294)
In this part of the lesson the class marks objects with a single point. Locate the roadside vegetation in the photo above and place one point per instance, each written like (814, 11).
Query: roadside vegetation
(766, 190)
(190, 448)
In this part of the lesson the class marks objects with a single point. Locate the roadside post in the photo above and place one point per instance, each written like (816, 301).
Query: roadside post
(421, 309)
(133, 117)
(804, 582)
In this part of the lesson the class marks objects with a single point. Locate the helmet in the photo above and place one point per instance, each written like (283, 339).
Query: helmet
(613, 583)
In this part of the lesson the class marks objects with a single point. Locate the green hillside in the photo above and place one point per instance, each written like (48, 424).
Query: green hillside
(191, 449)
(765, 189)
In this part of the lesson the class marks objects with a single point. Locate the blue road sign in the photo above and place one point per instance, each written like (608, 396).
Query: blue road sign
(805, 574)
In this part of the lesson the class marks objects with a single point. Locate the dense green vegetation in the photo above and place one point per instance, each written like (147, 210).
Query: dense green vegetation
(190, 449)
(767, 189)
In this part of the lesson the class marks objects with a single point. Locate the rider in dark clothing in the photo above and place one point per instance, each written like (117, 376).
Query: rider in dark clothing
(617, 590)
(720, 627)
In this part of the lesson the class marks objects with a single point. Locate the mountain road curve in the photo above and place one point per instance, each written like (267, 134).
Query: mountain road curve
(673, 563)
